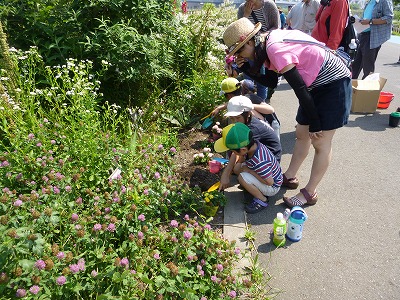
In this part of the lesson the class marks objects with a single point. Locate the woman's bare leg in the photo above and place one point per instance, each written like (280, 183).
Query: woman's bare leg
(300, 151)
(321, 161)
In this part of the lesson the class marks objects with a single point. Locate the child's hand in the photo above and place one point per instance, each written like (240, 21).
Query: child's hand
(215, 111)
(245, 169)
(224, 182)
(218, 109)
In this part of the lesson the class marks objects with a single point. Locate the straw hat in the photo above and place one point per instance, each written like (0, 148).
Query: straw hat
(239, 33)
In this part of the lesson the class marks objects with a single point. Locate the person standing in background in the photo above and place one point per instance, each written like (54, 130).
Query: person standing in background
(378, 14)
(266, 12)
(331, 20)
(263, 11)
(310, 8)
(295, 16)
(184, 6)
(282, 17)
(302, 16)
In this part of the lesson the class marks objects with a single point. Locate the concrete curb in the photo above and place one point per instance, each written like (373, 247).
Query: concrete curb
(235, 223)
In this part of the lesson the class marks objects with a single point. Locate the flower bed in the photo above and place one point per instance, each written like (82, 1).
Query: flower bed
(90, 211)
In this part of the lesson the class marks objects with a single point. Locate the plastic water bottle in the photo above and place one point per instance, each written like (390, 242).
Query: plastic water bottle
(279, 238)
(286, 214)
(276, 127)
(352, 48)
(295, 224)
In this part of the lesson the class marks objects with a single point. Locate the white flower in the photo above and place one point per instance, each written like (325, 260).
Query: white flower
(115, 174)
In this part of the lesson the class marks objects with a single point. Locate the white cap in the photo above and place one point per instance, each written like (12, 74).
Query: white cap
(279, 216)
(237, 105)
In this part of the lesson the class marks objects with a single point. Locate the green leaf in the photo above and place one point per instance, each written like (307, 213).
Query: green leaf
(26, 264)
(54, 219)
(105, 297)
(38, 250)
(159, 281)
(117, 277)
(145, 279)
(78, 287)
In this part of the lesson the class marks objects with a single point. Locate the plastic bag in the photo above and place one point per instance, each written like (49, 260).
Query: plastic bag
(373, 76)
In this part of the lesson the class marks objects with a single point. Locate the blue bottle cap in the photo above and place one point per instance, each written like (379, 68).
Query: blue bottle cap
(298, 215)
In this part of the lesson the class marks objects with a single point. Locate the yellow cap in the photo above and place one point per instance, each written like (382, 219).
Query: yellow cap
(229, 85)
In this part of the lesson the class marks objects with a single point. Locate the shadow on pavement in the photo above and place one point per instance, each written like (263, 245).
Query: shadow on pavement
(287, 141)
(396, 64)
(371, 122)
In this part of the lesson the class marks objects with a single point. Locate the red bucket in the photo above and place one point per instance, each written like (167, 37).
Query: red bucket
(384, 100)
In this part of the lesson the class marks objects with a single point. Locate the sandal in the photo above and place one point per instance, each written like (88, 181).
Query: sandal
(255, 206)
(295, 201)
(291, 183)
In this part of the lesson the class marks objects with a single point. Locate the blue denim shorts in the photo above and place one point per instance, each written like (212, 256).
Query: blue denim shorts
(333, 103)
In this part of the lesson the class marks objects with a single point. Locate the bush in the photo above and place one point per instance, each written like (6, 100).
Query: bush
(90, 208)
(153, 51)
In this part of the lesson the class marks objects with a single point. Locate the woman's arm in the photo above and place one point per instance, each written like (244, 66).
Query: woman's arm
(306, 102)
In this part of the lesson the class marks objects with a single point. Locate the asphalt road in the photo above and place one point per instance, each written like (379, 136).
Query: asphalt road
(351, 241)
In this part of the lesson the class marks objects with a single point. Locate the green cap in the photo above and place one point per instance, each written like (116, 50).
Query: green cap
(234, 136)
(395, 114)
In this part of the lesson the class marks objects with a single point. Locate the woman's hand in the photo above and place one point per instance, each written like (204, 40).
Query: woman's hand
(248, 8)
(228, 70)
(315, 135)
(240, 61)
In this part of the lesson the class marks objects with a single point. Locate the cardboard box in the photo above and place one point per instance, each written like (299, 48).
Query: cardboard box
(366, 95)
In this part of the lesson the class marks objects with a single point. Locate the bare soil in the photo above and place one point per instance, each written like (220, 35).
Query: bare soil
(192, 142)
